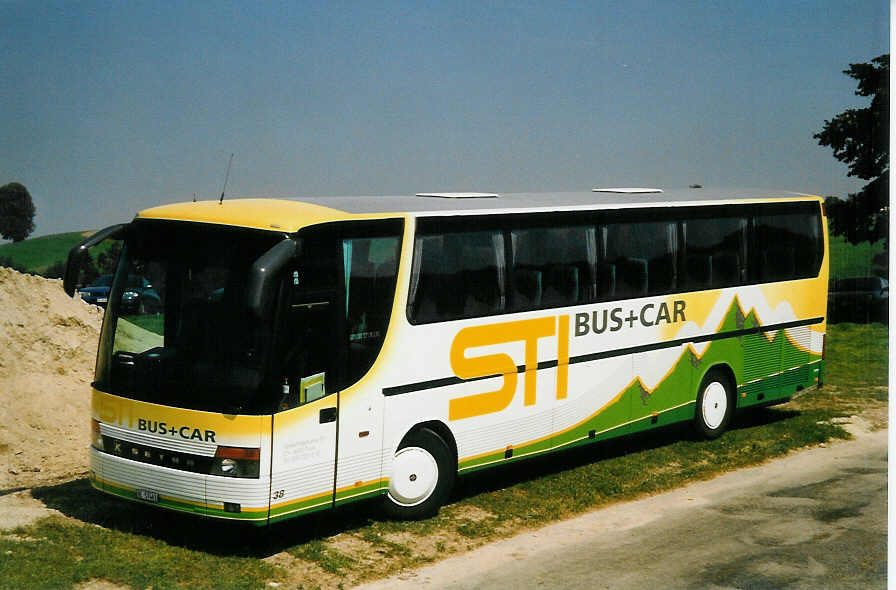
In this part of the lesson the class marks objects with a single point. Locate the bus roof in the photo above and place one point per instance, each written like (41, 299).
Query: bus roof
(291, 214)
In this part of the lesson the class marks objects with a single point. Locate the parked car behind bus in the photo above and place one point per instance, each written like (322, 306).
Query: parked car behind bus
(139, 296)
(859, 299)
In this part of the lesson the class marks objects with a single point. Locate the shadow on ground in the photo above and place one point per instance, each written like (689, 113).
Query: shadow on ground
(537, 467)
(78, 500)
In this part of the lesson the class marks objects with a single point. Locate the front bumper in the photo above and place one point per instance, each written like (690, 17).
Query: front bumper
(195, 493)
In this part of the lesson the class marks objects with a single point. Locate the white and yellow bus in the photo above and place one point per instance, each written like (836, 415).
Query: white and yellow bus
(287, 356)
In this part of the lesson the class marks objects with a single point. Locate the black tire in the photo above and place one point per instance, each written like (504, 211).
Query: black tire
(414, 495)
(715, 405)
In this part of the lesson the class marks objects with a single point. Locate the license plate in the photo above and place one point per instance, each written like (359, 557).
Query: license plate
(102, 299)
(148, 495)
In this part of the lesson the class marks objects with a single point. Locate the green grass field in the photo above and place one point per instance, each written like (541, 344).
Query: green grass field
(36, 254)
(103, 538)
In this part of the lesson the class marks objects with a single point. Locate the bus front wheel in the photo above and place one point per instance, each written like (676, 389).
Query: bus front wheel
(422, 476)
(714, 405)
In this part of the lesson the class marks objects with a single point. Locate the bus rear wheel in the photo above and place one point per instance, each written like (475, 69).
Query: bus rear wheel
(714, 405)
(422, 476)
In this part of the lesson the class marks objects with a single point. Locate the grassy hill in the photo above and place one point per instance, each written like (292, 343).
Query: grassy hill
(36, 254)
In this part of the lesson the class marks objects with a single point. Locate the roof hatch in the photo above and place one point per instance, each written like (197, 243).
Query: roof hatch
(459, 195)
(628, 191)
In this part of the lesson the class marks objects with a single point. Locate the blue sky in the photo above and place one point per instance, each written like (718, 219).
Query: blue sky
(108, 108)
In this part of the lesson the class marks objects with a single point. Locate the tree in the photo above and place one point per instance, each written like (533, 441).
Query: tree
(16, 212)
(107, 260)
(860, 138)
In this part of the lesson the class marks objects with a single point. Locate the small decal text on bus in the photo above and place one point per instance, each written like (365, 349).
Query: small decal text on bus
(598, 321)
(185, 432)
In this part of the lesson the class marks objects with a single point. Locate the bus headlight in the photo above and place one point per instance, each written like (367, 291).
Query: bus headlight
(236, 462)
(96, 437)
(229, 467)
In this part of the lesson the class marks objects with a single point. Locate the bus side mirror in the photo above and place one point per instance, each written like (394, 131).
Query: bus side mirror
(263, 274)
(77, 254)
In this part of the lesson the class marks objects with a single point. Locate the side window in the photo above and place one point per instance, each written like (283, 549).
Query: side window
(788, 243)
(639, 258)
(552, 267)
(457, 275)
(339, 294)
(715, 252)
(370, 266)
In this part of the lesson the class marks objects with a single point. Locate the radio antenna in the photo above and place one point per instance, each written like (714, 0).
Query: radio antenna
(226, 177)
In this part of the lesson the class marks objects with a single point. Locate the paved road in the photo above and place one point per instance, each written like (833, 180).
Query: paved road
(817, 519)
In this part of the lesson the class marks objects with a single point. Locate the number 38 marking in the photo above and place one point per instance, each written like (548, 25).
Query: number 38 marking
(277, 494)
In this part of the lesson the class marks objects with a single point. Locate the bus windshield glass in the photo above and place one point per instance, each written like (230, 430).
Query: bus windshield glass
(178, 330)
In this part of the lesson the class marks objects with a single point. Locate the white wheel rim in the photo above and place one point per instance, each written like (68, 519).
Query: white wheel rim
(715, 405)
(415, 474)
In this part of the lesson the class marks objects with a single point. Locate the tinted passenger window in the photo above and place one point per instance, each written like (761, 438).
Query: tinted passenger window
(639, 259)
(788, 243)
(457, 275)
(552, 267)
(370, 266)
(564, 259)
(716, 252)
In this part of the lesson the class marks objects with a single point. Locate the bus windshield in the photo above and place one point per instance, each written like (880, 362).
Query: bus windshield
(178, 329)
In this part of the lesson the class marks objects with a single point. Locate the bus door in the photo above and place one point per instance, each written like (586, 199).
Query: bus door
(311, 357)
(339, 296)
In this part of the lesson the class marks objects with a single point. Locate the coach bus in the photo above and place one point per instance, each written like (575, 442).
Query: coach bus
(309, 353)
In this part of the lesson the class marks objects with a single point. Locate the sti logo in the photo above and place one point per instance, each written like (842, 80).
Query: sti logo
(530, 332)
(490, 365)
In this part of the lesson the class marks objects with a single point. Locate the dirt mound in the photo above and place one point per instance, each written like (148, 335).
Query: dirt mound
(47, 354)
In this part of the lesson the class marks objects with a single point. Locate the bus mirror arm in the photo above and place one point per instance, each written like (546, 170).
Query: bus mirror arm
(76, 254)
(264, 271)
